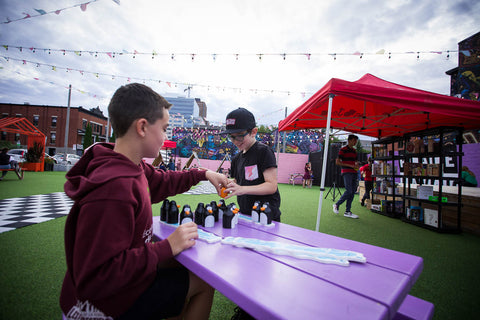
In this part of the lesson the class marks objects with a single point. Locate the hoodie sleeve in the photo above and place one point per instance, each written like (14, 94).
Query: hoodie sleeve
(109, 256)
(166, 184)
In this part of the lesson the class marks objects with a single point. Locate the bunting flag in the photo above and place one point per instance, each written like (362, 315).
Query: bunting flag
(93, 95)
(260, 56)
(143, 80)
(41, 12)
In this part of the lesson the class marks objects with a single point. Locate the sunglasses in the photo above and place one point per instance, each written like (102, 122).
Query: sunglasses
(238, 137)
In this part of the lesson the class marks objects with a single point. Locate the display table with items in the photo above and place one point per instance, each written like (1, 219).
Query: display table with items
(420, 162)
(386, 198)
(278, 271)
(470, 210)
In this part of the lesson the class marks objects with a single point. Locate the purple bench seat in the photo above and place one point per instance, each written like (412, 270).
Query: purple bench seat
(414, 308)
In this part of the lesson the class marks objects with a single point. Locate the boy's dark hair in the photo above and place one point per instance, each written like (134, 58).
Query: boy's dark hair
(134, 101)
(352, 136)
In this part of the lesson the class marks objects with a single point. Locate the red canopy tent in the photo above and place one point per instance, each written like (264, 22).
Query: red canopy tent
(378, 108)
(167, 144)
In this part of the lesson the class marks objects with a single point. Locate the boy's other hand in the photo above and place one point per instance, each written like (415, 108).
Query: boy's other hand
(218, 180)
(183, 237)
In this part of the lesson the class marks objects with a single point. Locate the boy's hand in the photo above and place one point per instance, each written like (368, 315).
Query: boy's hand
(183, 237)
(233, 189)
(218, 180)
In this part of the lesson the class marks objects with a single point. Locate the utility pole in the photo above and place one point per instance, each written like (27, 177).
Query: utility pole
(188, 89)
(67, 126)
(285, 133)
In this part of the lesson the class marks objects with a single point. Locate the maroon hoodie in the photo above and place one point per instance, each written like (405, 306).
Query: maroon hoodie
(110, 257)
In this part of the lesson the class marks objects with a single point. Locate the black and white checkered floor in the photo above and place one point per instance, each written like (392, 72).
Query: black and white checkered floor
(21, 212)
(25, 211)
(204, 187)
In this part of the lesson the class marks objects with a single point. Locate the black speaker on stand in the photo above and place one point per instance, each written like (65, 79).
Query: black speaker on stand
(332, 173)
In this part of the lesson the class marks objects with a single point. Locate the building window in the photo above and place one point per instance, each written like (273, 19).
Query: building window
(17, 136)
(54, 121)
(84, 124)
(4, 135)
(4, 115)
(18, 115)
(35, 120)
(53, 137)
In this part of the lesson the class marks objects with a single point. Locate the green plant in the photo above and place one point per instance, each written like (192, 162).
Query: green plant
(88, 139)
(34, 153)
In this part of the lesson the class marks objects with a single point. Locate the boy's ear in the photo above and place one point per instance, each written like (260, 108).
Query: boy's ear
(255, 130)
(140, 127)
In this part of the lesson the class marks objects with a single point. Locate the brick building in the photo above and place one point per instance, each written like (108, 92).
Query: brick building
(51, 121)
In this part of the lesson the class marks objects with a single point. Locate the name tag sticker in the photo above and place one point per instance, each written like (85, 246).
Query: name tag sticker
(251, 172)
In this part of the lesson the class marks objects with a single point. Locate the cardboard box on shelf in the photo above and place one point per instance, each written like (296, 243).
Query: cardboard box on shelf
(423, 192)
(431, 217)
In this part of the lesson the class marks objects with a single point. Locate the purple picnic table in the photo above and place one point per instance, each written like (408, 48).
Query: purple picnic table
(270, 286)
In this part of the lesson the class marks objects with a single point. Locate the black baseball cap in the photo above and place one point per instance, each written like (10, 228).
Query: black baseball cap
(239, 120)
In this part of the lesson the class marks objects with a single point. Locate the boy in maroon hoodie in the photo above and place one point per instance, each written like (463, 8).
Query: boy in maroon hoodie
(114, 270)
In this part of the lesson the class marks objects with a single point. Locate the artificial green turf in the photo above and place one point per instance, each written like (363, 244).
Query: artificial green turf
(33, 262)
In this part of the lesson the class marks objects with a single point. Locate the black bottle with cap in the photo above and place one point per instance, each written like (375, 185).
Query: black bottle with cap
(214, 209)
(266, 214)
(209, 219)
(186, 215)
(256, 211)
(172, 216)
(164, 210)
(228, 219)
(200, 214)
(222, 208)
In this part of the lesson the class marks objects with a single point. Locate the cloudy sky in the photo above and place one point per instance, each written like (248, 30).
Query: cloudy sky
(265, 55)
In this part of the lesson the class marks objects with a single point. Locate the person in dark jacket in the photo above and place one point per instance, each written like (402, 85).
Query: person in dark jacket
(6, 163)
(114, 270)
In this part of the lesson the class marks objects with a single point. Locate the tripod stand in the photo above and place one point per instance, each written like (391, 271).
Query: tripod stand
(336, 191)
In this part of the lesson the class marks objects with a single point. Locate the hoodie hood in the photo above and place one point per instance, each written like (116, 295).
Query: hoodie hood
(96, 167)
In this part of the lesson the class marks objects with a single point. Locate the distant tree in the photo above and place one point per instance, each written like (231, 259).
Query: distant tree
(112, 137)
(88, 140)
(262, 129)
(359, 147)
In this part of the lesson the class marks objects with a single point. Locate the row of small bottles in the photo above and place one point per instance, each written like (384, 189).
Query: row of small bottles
(207, 215)
(204, 215)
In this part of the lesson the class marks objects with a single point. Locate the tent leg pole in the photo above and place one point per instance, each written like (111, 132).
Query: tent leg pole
(326, 145)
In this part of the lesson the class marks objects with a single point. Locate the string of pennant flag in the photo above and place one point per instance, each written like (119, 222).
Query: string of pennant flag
(170, 84)
(42, 12)
(93, 95)
(236, 56)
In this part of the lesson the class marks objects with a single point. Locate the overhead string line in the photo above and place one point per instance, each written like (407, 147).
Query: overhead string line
(41, 12)
(130, 78)
(236, 56)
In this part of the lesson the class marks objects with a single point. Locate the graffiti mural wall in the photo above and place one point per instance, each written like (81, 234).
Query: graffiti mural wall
(467, 82)
(209, 144)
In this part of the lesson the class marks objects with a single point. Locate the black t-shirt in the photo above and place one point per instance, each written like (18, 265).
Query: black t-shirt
(247, 169)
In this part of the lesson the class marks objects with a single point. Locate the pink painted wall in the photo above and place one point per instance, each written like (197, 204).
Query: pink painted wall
(287, 164)
(294, 163)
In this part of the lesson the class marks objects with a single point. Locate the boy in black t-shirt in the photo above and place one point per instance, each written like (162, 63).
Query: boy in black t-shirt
(254, 168)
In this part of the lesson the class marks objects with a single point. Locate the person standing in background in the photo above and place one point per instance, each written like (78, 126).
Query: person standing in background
(347, 159)
(366, 172)
(307, 176)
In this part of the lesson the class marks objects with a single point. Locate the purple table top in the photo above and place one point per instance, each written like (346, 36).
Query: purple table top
(281, 287)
